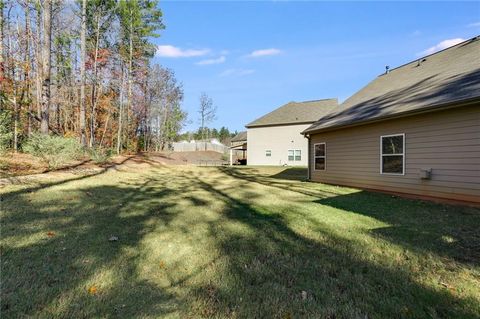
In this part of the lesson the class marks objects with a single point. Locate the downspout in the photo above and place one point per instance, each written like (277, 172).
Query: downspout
(309, 160)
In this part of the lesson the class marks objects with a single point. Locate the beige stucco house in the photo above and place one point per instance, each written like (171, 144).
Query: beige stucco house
(275, 139)
(414, 130)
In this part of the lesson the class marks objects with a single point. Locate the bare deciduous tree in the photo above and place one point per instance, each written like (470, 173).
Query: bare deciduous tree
(1, 43)
(83, 138)
(207, 112)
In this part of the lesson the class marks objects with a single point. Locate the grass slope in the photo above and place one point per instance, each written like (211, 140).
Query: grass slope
(231, 243)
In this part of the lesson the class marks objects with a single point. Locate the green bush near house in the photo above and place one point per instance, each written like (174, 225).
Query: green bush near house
(100, 155)
(53, 150)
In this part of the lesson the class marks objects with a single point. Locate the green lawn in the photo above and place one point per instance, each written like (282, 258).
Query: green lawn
(231, 243)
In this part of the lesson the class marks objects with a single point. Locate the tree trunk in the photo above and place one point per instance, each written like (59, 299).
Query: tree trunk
(94, 83)
(9, 67)
(15, 91)
(1, 46)
(130, 67)
(47, 46)
(203, 131)
(27, 68)
(146, 112)
(104, 130)
(12, 65)
(83, 137)
(38, 58)
(120, 118)
(157, 146)
(60, 79)
(164, 125)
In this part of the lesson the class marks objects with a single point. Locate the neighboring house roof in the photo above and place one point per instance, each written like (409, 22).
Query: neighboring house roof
(437, 80)
(296, 113)
(240, 137)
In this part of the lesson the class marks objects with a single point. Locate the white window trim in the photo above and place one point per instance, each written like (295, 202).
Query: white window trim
(295, 155)
(403, 154)
(288, 151)
(294, 160)
(324, 156)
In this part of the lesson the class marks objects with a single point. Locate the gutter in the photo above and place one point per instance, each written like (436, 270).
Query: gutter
(248, 126)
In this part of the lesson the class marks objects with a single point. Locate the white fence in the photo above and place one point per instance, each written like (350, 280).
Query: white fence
(199, 146)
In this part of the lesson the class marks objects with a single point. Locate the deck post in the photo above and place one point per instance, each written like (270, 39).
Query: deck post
(231, 157)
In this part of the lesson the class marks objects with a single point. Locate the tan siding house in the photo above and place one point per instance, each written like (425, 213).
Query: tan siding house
(275, 139)
(408, 132)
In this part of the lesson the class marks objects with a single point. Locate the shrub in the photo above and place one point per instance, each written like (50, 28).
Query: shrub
(100, 155)
(53, 150)
(5, 130)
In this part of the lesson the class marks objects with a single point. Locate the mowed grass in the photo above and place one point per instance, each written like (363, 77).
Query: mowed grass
(231, 243)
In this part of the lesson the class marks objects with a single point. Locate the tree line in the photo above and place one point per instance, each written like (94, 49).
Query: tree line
(84, 69)
(224, 135)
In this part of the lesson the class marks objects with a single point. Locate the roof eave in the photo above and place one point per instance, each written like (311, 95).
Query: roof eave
(432, 108)
(278, 124)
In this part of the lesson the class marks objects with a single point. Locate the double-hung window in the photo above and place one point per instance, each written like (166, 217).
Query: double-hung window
(294, 155)
(392, 154)
(298, 155)
(290, 155)
(268, 153)
(320, 156)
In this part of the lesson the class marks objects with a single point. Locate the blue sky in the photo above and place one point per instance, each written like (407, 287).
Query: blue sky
(252, 57)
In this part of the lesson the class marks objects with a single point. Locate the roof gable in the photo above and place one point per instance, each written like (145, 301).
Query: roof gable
(445, 77)
(296, 113)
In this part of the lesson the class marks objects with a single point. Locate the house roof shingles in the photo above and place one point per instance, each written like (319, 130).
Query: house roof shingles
(240, 137)
(440, 79)
(296, 113)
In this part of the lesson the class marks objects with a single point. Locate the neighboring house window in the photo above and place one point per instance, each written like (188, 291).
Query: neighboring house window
(392, 150)
(320, 156)
(298, 155)
(294, 155)
(268, 153)
(290, 155)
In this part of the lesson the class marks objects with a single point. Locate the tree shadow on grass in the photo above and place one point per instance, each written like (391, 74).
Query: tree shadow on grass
(287, 179)
(274, 271)
(446, 230)
(41, 185)
(292, 173)
(259, 267)
(58, 261)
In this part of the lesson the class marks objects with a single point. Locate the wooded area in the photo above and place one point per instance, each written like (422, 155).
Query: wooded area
(83, 69)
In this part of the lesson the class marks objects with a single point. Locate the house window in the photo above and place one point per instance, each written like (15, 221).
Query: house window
(392, 150)
(320, 156)
(290, 155)
(268, 153)
(294, 155)
(298, 155)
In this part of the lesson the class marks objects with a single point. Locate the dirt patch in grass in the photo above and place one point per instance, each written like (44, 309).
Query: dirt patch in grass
(12, 164)
(85, 168)
(20, 164)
